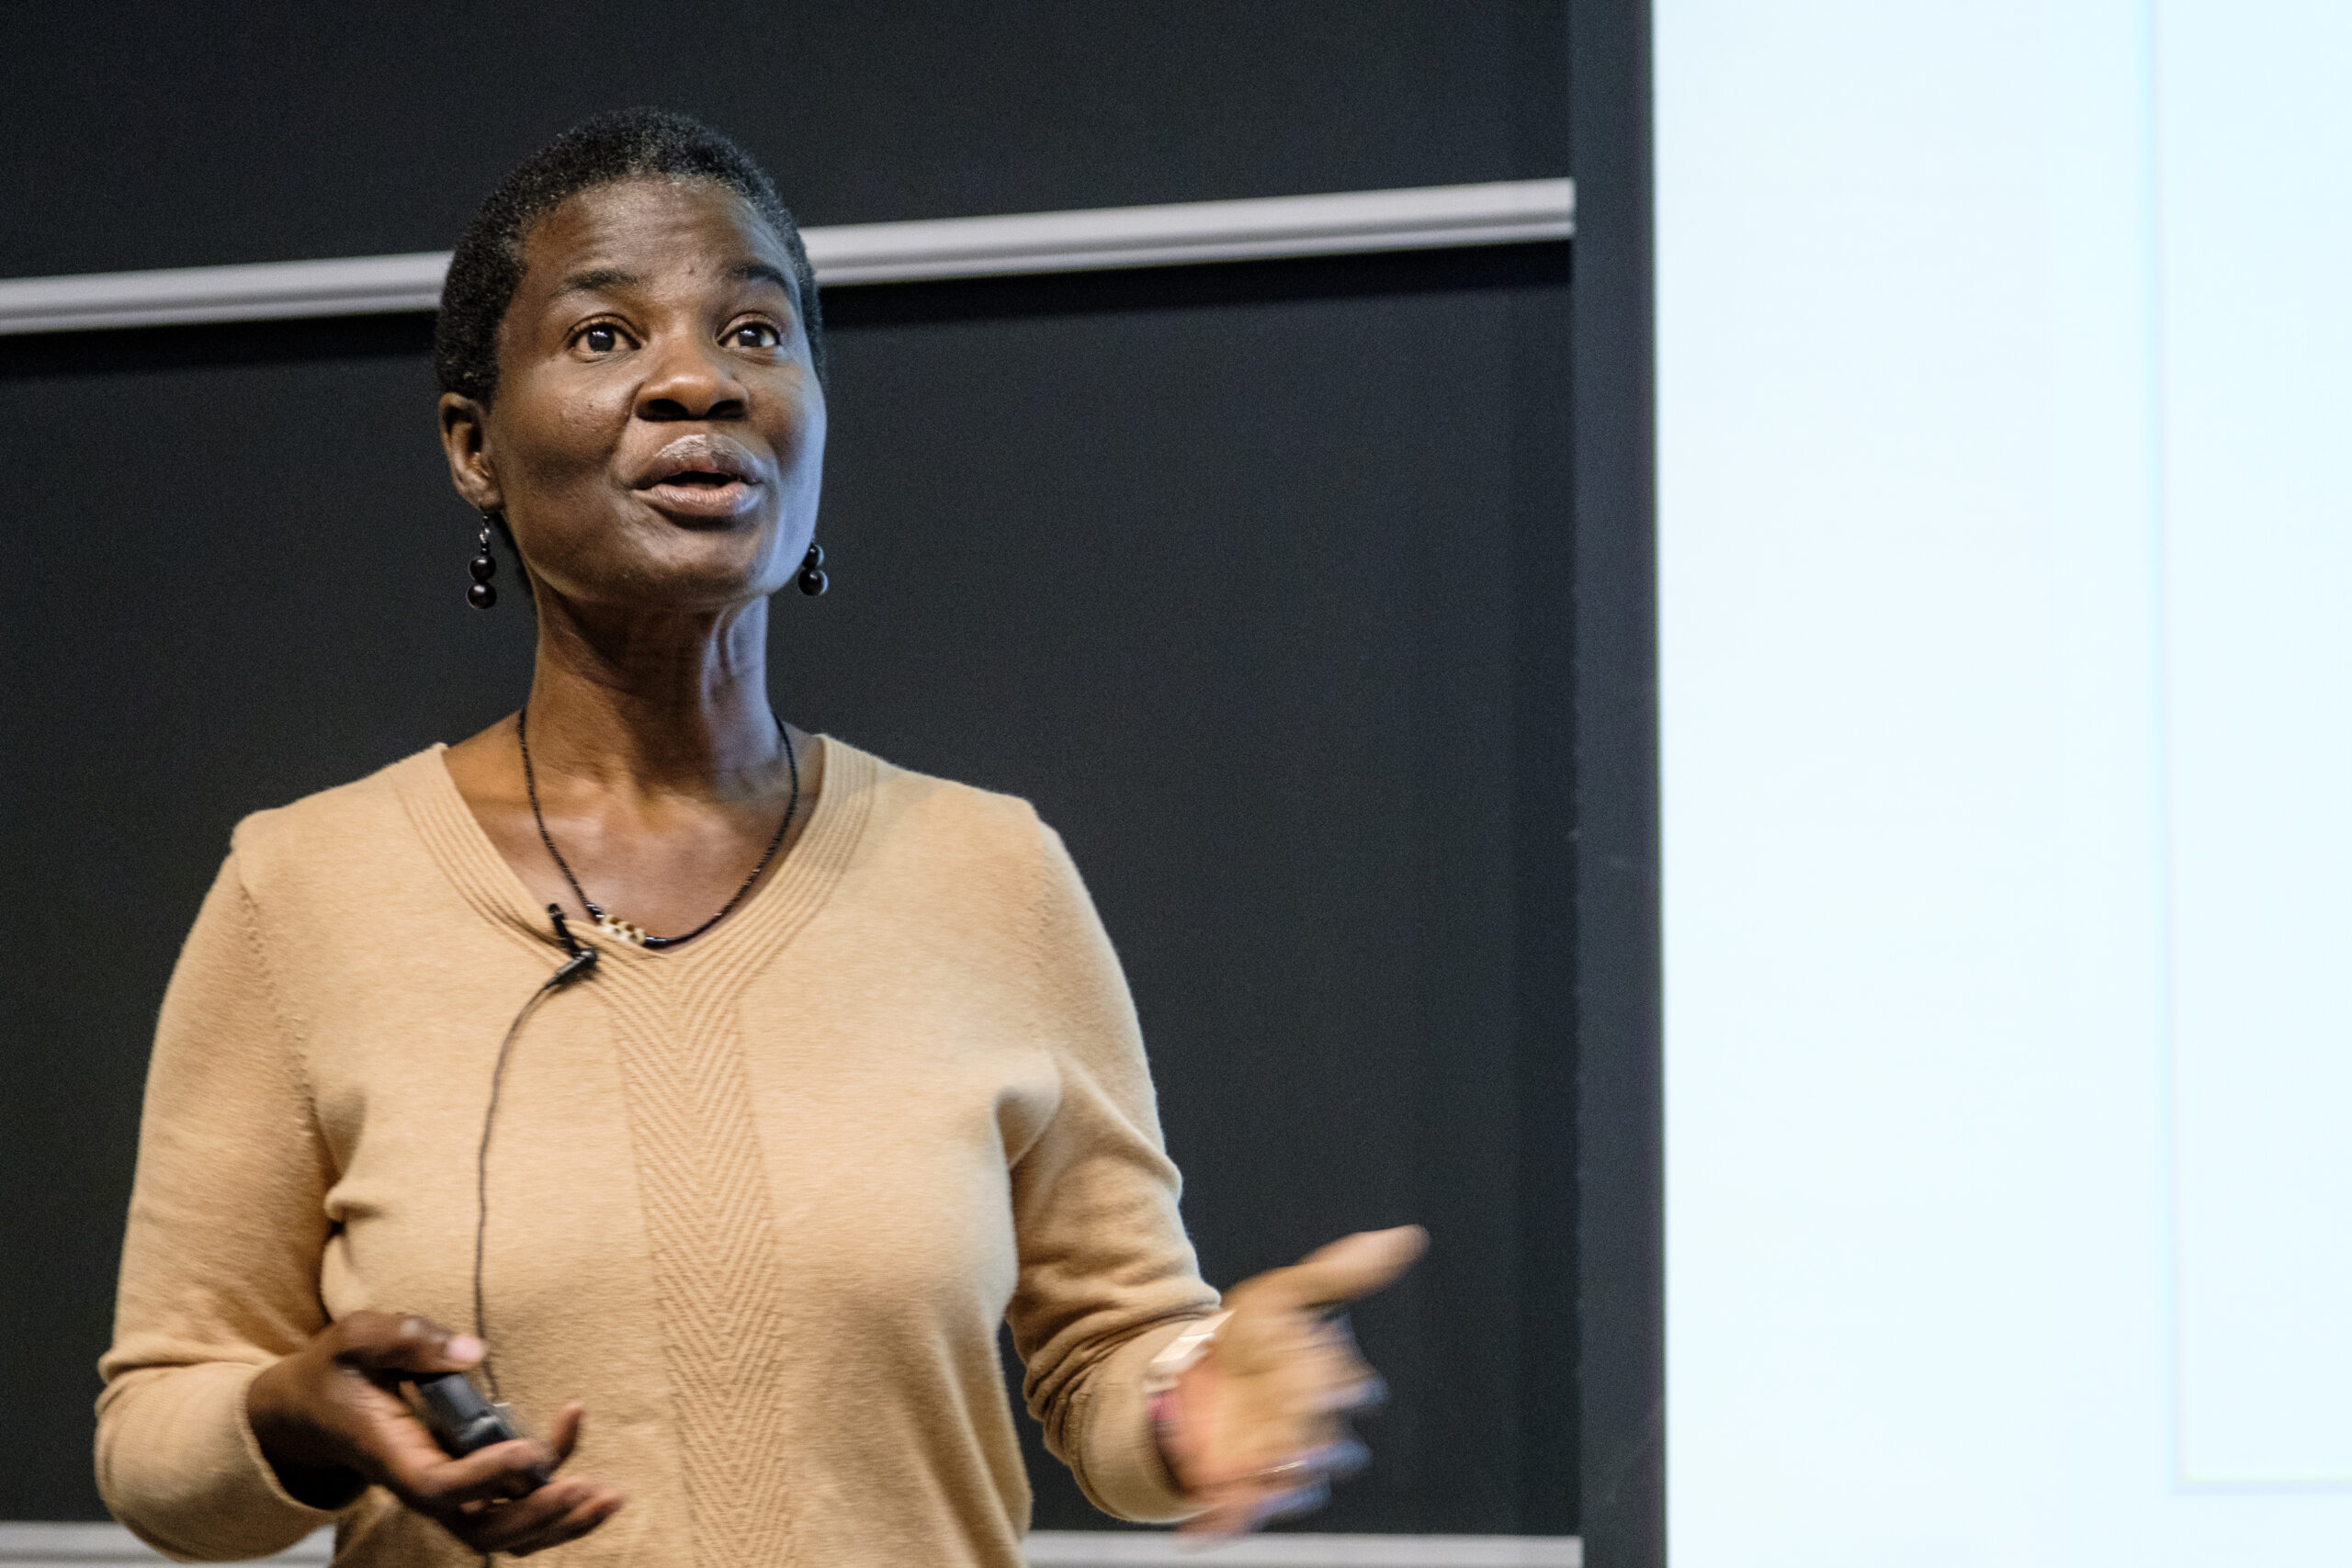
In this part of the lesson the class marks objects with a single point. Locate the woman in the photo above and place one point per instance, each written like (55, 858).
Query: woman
(728, 1084)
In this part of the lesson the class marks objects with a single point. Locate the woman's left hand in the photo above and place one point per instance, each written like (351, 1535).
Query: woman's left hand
(1256, 1428)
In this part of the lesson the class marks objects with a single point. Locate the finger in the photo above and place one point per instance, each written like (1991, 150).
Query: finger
(393, 1447)
(508, 1470)
(501, 1471)
(1345, 1458)
(1343, 1455)
(574, 1524)
(581, 1518)
(1303, 1483)
(1320, 1379)
(1352, 1266)
(497, 1527)
(559, 1442)
(1303, 1419)
(1296, 1501)
(381, 1342)
(1336, 1380)
(1363, 1397)
(539, 1521)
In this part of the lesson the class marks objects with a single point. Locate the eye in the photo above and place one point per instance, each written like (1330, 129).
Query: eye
(754, 334)
(601, 338)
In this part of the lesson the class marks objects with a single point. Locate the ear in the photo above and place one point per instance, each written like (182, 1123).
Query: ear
(464, 433)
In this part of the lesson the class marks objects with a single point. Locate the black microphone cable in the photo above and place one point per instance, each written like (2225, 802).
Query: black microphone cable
(449, 1405)
(582, 959)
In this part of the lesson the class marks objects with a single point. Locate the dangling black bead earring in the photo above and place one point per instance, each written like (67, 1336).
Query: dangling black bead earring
(484, 566)
(813, 580)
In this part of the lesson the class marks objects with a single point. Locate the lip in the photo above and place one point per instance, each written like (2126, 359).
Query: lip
(704, 475)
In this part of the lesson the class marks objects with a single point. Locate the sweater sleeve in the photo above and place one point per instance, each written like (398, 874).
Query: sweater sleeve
(221, 1259)
(1107, 1276)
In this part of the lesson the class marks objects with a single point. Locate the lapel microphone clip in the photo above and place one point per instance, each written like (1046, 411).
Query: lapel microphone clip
(583, 957)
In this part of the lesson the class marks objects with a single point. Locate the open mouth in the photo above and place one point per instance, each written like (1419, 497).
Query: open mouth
(702, 476)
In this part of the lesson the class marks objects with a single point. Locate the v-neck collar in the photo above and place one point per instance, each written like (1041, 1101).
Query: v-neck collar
(794, 889)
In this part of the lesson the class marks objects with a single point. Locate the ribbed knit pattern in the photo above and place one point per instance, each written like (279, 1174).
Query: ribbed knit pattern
(718, 1265)
(719, 1271)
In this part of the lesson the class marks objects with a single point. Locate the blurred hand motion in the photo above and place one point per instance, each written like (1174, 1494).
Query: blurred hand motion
(331, 1419)
(1258, 1427)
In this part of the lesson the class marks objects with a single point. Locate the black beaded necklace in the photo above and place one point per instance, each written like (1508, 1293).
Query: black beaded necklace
(624, 930)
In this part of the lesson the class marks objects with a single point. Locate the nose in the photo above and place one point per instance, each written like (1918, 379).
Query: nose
(690, 380)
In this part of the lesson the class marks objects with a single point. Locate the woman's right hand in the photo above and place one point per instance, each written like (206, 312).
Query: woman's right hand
(330, 1421)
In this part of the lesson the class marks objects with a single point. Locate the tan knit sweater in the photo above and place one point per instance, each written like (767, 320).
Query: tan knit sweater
(759, 1203)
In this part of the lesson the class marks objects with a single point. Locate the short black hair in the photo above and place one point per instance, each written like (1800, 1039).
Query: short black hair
(620, 144)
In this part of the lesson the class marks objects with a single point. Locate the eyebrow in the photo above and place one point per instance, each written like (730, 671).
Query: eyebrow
(595, 281)
(759, 271)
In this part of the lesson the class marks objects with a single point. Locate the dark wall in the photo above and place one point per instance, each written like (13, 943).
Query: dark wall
(156, 134)
(1252, 577)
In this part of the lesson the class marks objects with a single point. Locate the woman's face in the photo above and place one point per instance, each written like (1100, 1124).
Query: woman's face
(657, 435)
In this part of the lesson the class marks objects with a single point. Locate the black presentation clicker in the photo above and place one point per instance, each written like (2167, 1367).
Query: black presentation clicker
(462, 1421)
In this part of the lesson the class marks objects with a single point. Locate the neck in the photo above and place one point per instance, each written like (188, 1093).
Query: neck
(670, 705)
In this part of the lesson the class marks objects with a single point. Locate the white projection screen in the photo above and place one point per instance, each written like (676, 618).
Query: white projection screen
(2006, 608)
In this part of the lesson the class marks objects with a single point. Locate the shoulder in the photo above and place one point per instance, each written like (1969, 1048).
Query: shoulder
(939, 831)
(349, 825)
(982, 874)
(903, 801)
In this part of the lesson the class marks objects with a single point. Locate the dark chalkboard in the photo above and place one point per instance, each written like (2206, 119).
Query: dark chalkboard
(1254, 578)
